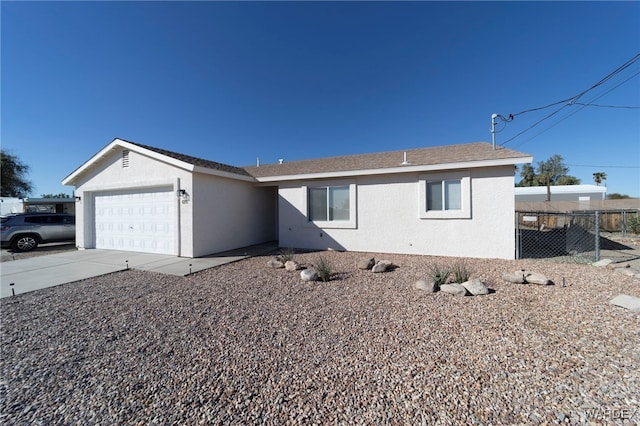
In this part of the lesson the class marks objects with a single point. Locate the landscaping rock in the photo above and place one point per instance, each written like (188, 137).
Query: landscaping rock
(428, 286)
(381, 266)
(454, 288)
(514, 277)
(526, 277)
(291, 265)
(628, 302)
(309, 274)
(367, 264)
(537, 278)
(273, 263)
(602, 263)
(475, 287)
(618, 265)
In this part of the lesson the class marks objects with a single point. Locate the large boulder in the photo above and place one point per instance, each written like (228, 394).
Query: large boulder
(453, 288)
(428, 286)
(381, 266)
(475, 287)
(309, 274)
(366, 264)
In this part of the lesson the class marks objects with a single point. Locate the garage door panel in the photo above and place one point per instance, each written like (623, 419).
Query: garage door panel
(142, 220)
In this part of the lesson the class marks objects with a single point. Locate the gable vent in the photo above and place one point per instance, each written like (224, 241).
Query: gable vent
(125, 158)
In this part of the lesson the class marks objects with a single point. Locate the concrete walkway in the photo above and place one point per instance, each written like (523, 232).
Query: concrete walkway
(24, 275)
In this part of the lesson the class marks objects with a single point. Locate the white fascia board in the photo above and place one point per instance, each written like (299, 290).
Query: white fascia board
(400, 169)
(222, 173)
(87, 165)
(155, 155)
(127, 145)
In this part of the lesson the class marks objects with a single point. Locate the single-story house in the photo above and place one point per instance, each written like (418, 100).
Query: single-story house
(453, 200)
(584, 193)
(37, 205)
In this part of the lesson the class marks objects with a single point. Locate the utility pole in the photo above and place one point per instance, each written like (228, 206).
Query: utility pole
(493, 130)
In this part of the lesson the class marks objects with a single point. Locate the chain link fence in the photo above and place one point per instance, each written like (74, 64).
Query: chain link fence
(577, 237)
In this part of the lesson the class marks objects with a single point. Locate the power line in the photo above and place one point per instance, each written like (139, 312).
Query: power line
(582, 105)
(607, 106)
(601, 166)
(574, 98)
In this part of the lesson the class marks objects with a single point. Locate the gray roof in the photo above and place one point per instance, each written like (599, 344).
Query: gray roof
(477, 151)
(195, 160)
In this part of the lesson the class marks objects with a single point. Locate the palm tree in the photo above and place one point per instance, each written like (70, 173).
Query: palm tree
(598, 177)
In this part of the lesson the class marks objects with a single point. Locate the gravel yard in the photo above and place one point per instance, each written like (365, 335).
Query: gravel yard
(245, 344)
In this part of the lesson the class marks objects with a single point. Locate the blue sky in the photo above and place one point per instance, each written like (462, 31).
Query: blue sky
(234, 81)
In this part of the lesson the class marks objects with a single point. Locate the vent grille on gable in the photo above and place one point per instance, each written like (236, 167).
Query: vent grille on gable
(125, 158)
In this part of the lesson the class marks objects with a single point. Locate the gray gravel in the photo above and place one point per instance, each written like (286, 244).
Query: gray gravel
(246, 344)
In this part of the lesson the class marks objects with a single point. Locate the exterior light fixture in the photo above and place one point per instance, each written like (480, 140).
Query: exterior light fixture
(184, 195)
(78, 198)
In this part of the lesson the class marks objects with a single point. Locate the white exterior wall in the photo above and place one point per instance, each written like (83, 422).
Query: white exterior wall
(388, 218)
(230, 214)
(108, 174)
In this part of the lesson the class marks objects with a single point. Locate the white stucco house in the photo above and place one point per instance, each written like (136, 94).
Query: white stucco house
(455, 200)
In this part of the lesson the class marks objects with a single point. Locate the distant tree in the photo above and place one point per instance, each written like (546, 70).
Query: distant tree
(547, 173)
(616, 196)
(598, 177)
(60, 195)
(13, 181)
(568, 180)
(528, 174)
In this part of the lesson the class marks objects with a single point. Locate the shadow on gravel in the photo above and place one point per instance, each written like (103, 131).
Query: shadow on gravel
(42, 250)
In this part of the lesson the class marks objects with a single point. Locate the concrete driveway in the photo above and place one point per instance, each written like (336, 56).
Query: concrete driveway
(24, 275)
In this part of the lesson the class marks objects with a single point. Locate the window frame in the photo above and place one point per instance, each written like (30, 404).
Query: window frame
(465, 196)
(344, 224)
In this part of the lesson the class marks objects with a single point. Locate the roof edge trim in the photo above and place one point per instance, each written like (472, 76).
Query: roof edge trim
(399, 169)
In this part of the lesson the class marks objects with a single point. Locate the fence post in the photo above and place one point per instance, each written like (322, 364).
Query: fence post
(624, 223)
(597, 226)
(517, 235)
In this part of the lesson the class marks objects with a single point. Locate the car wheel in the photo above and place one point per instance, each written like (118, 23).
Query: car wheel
(24, 243)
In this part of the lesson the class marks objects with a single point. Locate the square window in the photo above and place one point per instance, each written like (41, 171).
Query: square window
(445, 196)
(329, 203)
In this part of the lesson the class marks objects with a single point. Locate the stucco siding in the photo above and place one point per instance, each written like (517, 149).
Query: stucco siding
(388, 210)
(230, 214)
(141, 172)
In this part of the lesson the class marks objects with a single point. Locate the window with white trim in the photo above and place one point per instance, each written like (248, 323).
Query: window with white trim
(330, 206)
(445, 196)
(329, 203)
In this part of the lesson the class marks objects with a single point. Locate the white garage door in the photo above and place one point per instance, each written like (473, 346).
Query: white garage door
(138, 220)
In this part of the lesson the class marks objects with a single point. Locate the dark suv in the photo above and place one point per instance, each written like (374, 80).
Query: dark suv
(24, 231)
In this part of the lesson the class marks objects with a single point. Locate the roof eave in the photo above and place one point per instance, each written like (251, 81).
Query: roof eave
(399, 169)
(72, 178)
(221, 173)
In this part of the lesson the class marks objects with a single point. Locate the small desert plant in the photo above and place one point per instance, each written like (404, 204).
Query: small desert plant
(286, 254)
(633, 223)
(323, 269)
(439, 274)
(461, 272)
